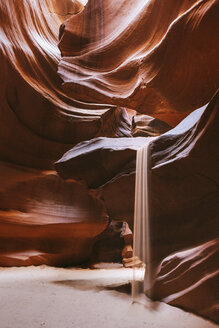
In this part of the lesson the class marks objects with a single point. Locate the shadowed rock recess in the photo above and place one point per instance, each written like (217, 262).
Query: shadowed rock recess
(82, 86)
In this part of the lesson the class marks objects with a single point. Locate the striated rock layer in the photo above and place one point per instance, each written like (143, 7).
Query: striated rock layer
(184, 193)
(45, 122)
(184, 211)
(188, 279)
(44, 219)
(161, 59)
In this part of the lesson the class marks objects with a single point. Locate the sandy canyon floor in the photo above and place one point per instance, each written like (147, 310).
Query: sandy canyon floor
(35, 297)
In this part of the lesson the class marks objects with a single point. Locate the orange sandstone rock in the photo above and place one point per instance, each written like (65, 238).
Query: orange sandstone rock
(161, 59)
(44, 220)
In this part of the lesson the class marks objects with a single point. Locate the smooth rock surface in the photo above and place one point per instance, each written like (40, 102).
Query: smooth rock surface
(189, 279)
(98, 160)
(147, 126)
(161, 60)
(38, 121)
(183, 197)
(44, 219)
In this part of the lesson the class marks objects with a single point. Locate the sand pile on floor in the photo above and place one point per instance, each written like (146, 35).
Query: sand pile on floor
(34, 297)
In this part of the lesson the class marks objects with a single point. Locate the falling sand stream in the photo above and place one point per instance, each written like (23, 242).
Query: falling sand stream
(142, 247)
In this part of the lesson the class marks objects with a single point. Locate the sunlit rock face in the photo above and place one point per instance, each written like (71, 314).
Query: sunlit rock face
(184, 163)
(45, 122)
(183, 198)
(184, 212)
(104, 156)
(147, 126)
(160, 59)
(70, 73)
(64, 9)
(43, 219)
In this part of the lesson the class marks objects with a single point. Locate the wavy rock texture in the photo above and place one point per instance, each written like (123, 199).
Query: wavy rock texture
(188, 279)
(184, 163)
(67, 8)
(46, 220)
(183, 185)
(43, 219)
(45, 122)
(147, 126)
(160, 60)
(104, 156)
(38, 124)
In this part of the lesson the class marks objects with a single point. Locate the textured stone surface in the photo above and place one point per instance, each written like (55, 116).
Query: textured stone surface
(184, 181)
(184, 211)
(160, 60)
(38, 124)
(44, 219)
(147, 126)
(189, 278)
(98, 160)
(45, 122)
(183, 191)
(110, 243)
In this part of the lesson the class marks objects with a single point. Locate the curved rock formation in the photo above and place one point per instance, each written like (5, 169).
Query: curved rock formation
(111, 245)
(38, 124)
(188, 279)
(67, 8)
(46, 220)
(155, 57)
(147, 126)
(161, 59)
(98, 160)
(184, 193)
(45, 122)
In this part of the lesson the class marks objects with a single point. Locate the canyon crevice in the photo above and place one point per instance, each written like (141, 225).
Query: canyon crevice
(82, 86)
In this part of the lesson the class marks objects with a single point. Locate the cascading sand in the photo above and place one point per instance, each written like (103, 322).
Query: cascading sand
(142, 245)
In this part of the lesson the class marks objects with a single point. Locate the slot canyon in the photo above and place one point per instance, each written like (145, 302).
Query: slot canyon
(84, 85)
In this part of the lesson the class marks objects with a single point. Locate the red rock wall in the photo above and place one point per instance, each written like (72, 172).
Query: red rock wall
(183, 198)
(45, 122)
(158, 58)
(38, 124)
